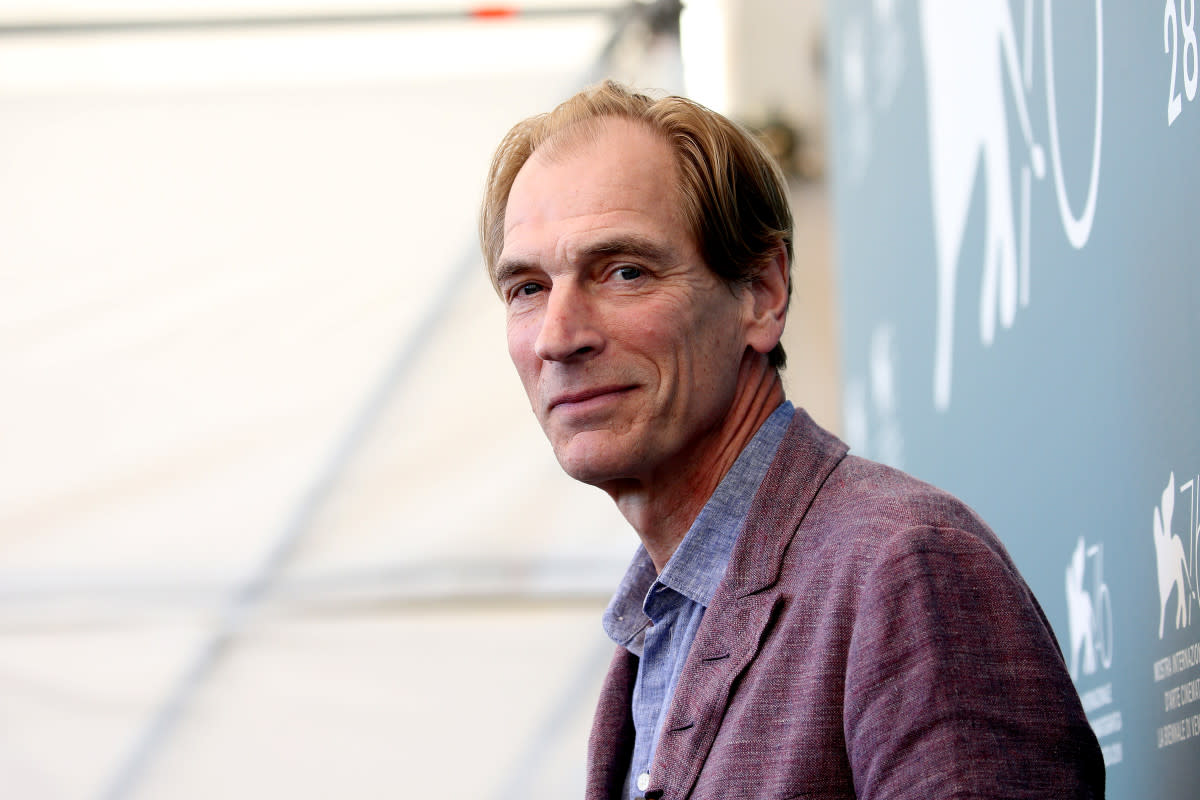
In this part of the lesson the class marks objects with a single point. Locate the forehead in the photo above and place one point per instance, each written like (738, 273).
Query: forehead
(617, 173)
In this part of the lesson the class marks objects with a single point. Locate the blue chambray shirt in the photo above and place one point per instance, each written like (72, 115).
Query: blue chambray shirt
(675, 601)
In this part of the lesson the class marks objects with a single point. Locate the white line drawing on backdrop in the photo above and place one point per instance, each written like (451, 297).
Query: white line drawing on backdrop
(969, 48)
(1174, 572)
(870, 409)
(1089, 611)
(872, 64)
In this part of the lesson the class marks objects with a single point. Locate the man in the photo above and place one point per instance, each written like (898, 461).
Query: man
(798, 622)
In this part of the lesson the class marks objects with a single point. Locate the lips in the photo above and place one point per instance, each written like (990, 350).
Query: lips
(579, 398)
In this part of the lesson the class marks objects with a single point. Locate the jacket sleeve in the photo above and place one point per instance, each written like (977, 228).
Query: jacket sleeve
(955, 685)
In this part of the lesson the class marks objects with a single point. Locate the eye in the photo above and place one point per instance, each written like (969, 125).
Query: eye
(520, 292)
(628, 273)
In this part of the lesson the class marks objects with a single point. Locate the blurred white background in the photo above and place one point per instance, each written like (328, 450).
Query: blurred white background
(275, 520)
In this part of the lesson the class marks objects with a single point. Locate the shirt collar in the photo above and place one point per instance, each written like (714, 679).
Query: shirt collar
(696, 567)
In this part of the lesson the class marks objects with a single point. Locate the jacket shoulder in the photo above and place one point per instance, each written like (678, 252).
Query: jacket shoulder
(860, 493)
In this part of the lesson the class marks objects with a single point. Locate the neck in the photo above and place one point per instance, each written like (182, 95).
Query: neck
(662, 510)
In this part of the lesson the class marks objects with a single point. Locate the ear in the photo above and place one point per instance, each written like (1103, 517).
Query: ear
(767, 298)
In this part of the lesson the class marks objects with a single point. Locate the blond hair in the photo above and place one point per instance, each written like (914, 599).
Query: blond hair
(732, 193)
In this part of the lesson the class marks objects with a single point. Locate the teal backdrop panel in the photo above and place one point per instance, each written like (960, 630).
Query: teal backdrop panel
(1017, 205)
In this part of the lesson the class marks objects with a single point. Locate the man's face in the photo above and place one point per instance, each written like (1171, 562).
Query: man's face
(626, 342)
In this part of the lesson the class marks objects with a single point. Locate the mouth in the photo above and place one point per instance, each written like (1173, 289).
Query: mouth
(587, 397)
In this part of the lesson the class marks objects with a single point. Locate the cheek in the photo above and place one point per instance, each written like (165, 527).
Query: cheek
(713, 349)
(521, 339)
(666, 331)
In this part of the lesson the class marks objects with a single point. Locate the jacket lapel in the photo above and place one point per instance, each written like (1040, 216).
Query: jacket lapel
(734, 625)
(713, 664)
(611, 743)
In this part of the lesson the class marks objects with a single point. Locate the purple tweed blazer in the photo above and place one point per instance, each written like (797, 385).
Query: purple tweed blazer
(871, 638)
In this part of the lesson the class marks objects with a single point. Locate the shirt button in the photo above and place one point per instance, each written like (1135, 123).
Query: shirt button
(643, 781)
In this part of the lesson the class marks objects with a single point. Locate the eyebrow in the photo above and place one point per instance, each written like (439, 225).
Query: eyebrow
(508, 269)
(625, 245)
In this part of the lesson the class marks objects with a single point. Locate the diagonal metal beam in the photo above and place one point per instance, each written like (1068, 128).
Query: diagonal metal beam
(236, 610)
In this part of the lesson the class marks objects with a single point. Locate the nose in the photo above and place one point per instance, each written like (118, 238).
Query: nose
(569, 328)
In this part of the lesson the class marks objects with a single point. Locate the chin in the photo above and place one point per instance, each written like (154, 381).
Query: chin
(595, 465)
(588, 471)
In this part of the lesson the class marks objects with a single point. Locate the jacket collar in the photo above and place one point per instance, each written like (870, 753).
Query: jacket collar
(806, 457)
